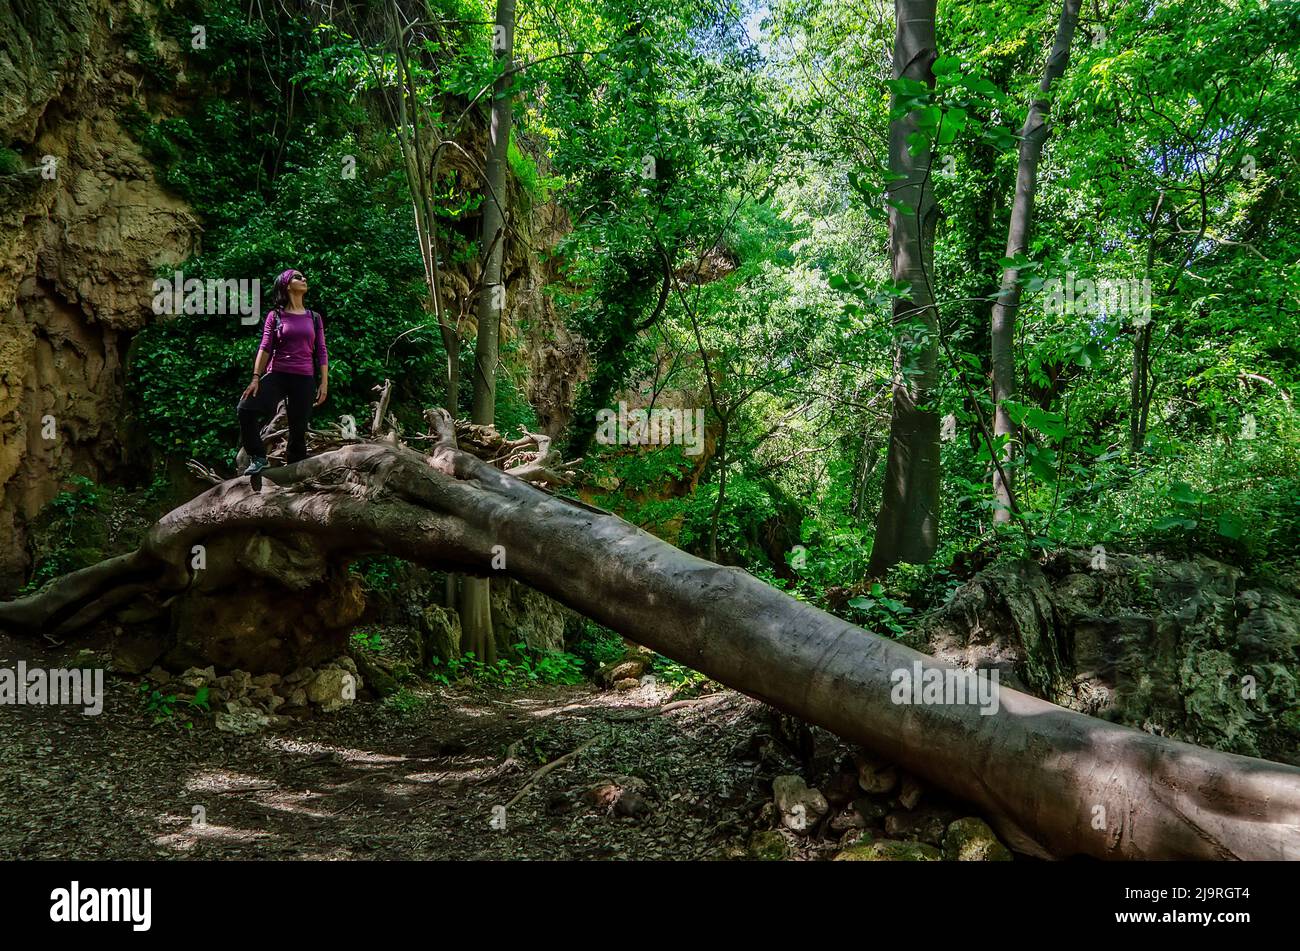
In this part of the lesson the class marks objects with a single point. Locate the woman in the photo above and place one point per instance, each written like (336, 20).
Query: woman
(292, 348)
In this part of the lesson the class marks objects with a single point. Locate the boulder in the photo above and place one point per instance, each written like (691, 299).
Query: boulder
(971, 840)
(889, 850)
(441, 629)
(800, 806)
(332, 689)
(875, 776)
(241, 720)
(925, 826)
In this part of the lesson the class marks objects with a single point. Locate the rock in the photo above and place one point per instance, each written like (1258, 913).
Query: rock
(847, 819)
(971, 840)
(376, 674)
(295, 562)
(853, 837)
(266, 680)
(631, 805)
(603, 795)
(241, 682)
(926, 826)
(243, 721)
(842, 788)
(68, 313)
(910, 793)
(136, 653)
(889, 850)
(609, 792)
(1153, 642)
(875, 776)
(159, 676)
(332, 689)
(769, 846)
(301, 675)
(869, 809)
(347, 663)
(195, 678)
(441, 630)
(626, 669)
(800, 806)
(521, 614)
(630, 683)
(254, 623)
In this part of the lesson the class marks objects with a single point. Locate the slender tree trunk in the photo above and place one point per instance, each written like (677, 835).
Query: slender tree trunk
(1053, 782)
(475, 593)
(722, 491)
(1033, 135)
(907, 526)
(491, 301)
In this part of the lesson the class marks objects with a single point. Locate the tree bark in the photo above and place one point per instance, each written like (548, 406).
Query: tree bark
(475, 593)
(1053, 782)
(1033, 135)
(907, 526)
(491, 300)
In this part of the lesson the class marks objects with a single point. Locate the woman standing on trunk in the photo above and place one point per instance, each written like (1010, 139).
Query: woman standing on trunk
(292, 350)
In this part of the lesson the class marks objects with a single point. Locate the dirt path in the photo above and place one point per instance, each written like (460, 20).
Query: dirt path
(413, 780)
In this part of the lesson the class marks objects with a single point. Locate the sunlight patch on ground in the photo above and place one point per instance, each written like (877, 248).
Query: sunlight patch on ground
(344, 753)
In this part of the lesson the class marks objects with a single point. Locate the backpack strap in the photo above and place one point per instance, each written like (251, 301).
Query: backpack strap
(275, 330)
(315, 344)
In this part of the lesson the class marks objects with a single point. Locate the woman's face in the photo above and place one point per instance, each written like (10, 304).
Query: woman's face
(298, 283)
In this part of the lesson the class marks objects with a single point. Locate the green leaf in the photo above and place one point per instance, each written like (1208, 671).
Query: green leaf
(1230, 526)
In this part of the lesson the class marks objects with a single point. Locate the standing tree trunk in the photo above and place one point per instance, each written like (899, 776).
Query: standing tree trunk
(907, 527)
(1032, 135)
(475, 600)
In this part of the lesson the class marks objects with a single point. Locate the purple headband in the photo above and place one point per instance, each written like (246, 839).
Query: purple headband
(283, 279)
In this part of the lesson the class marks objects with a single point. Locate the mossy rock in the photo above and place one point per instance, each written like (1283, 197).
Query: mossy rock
(889, 850)
(769, 846)
(971, 840)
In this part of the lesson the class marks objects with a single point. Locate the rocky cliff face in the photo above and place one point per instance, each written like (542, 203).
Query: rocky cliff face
(1195, 650)
(81, 234)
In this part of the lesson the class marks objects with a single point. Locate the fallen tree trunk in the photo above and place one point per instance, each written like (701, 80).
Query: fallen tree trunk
(1054, 783)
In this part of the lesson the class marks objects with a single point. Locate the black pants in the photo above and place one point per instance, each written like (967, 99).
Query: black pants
(257, 409)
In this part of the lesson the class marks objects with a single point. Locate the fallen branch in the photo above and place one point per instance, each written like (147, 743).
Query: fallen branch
(544, 770)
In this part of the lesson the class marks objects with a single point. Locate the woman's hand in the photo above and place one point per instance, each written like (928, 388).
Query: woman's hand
(251, 389)
(322, 391)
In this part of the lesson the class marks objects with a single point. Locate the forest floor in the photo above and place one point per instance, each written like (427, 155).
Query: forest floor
(418, 779)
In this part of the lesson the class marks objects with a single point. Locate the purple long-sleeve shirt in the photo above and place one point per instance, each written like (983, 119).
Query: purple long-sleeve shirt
(292, 352)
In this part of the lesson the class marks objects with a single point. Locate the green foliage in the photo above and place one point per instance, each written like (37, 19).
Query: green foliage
(86, 523)
(406, 700)
(681, 678)
(373, 641)
(880, 610)
(165, 709)
(528, 667)
(383, 575)
(11, 163)
(596, 645)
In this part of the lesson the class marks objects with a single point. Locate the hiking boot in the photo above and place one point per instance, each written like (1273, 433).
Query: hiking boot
(256, 466)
